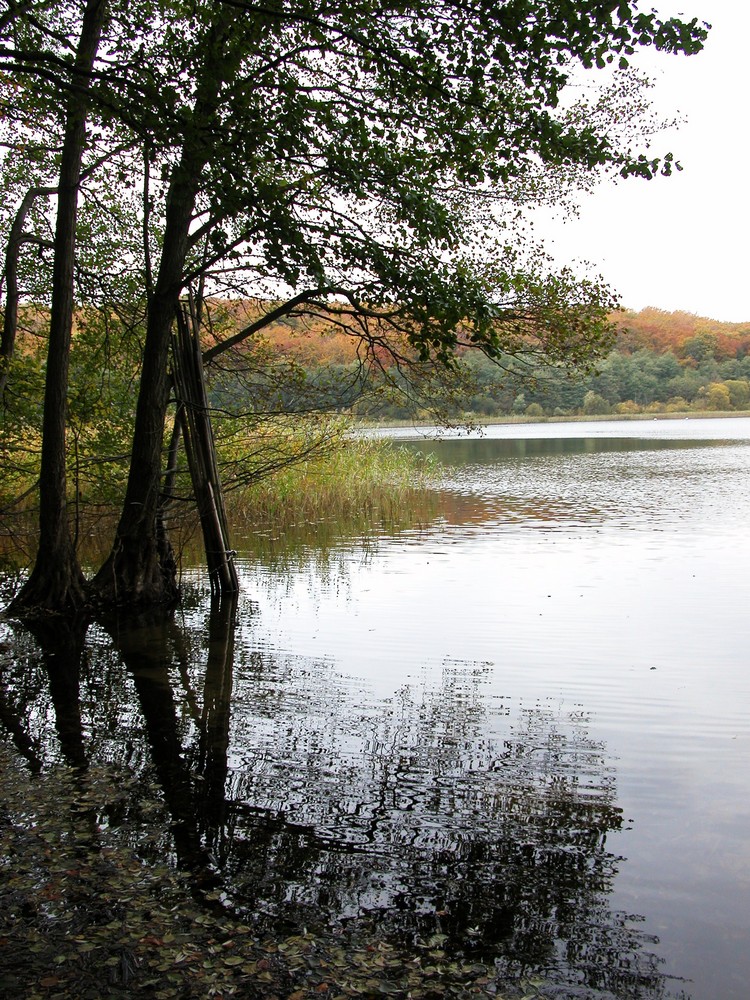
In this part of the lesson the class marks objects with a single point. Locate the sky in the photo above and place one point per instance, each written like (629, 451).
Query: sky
(681, 243)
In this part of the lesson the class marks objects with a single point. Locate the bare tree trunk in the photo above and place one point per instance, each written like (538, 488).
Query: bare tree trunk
(56, 582)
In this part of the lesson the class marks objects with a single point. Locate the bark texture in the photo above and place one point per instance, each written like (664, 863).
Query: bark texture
(141, 569)
(56, 582)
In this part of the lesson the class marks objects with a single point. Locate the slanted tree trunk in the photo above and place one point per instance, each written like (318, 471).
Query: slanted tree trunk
(12, 293)
(56, 583)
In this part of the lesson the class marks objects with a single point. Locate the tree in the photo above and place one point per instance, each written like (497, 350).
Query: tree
(372, 128)
(594, 404)
(140, 568)
(718, 397)
(38, 49)
(56, 582)
(739, 392)
(701, 347)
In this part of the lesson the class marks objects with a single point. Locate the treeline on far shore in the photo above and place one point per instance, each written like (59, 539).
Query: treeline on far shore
(660, 363)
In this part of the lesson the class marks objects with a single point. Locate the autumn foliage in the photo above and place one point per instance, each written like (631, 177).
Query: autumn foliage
(688, 336)
(691, 338)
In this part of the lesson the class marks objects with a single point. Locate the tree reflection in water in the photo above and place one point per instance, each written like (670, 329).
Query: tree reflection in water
(433, 817)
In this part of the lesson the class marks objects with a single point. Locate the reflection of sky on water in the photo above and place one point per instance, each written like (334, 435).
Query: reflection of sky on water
(479, 719)
(606, 576)
(723, 429)
(617, 482)
(437, 810)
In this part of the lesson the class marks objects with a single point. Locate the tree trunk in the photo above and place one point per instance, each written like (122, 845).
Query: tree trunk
(12, 294)
(141, 569)
(56, 582)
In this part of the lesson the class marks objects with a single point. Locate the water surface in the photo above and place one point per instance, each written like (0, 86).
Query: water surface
(521, 731)
(598, 576)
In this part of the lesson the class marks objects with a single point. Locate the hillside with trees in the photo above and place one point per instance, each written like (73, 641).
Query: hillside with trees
(659, 362)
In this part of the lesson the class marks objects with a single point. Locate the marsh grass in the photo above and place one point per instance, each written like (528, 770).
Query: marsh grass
(356, 486)
(363, 486)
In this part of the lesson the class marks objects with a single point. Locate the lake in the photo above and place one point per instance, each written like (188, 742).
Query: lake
(519, 731)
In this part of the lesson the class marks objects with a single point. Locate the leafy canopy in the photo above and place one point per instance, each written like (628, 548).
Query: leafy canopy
(339, 149)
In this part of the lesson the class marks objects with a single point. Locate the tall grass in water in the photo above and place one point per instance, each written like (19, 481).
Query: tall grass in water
(345, 486)
(360, 486)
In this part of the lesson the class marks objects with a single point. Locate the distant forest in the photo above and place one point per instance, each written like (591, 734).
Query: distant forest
(660, 362)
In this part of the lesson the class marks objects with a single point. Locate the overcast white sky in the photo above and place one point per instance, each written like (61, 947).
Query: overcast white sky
(681, 243)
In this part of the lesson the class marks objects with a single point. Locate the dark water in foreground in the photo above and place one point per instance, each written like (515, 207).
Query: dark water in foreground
(521, 732)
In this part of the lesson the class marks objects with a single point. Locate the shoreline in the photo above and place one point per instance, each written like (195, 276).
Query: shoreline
(572, 419)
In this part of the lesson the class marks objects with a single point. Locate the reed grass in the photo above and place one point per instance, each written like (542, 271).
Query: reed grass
(362, 481)
(352, 486)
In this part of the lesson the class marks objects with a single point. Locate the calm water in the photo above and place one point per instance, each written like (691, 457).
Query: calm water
(524, 727)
